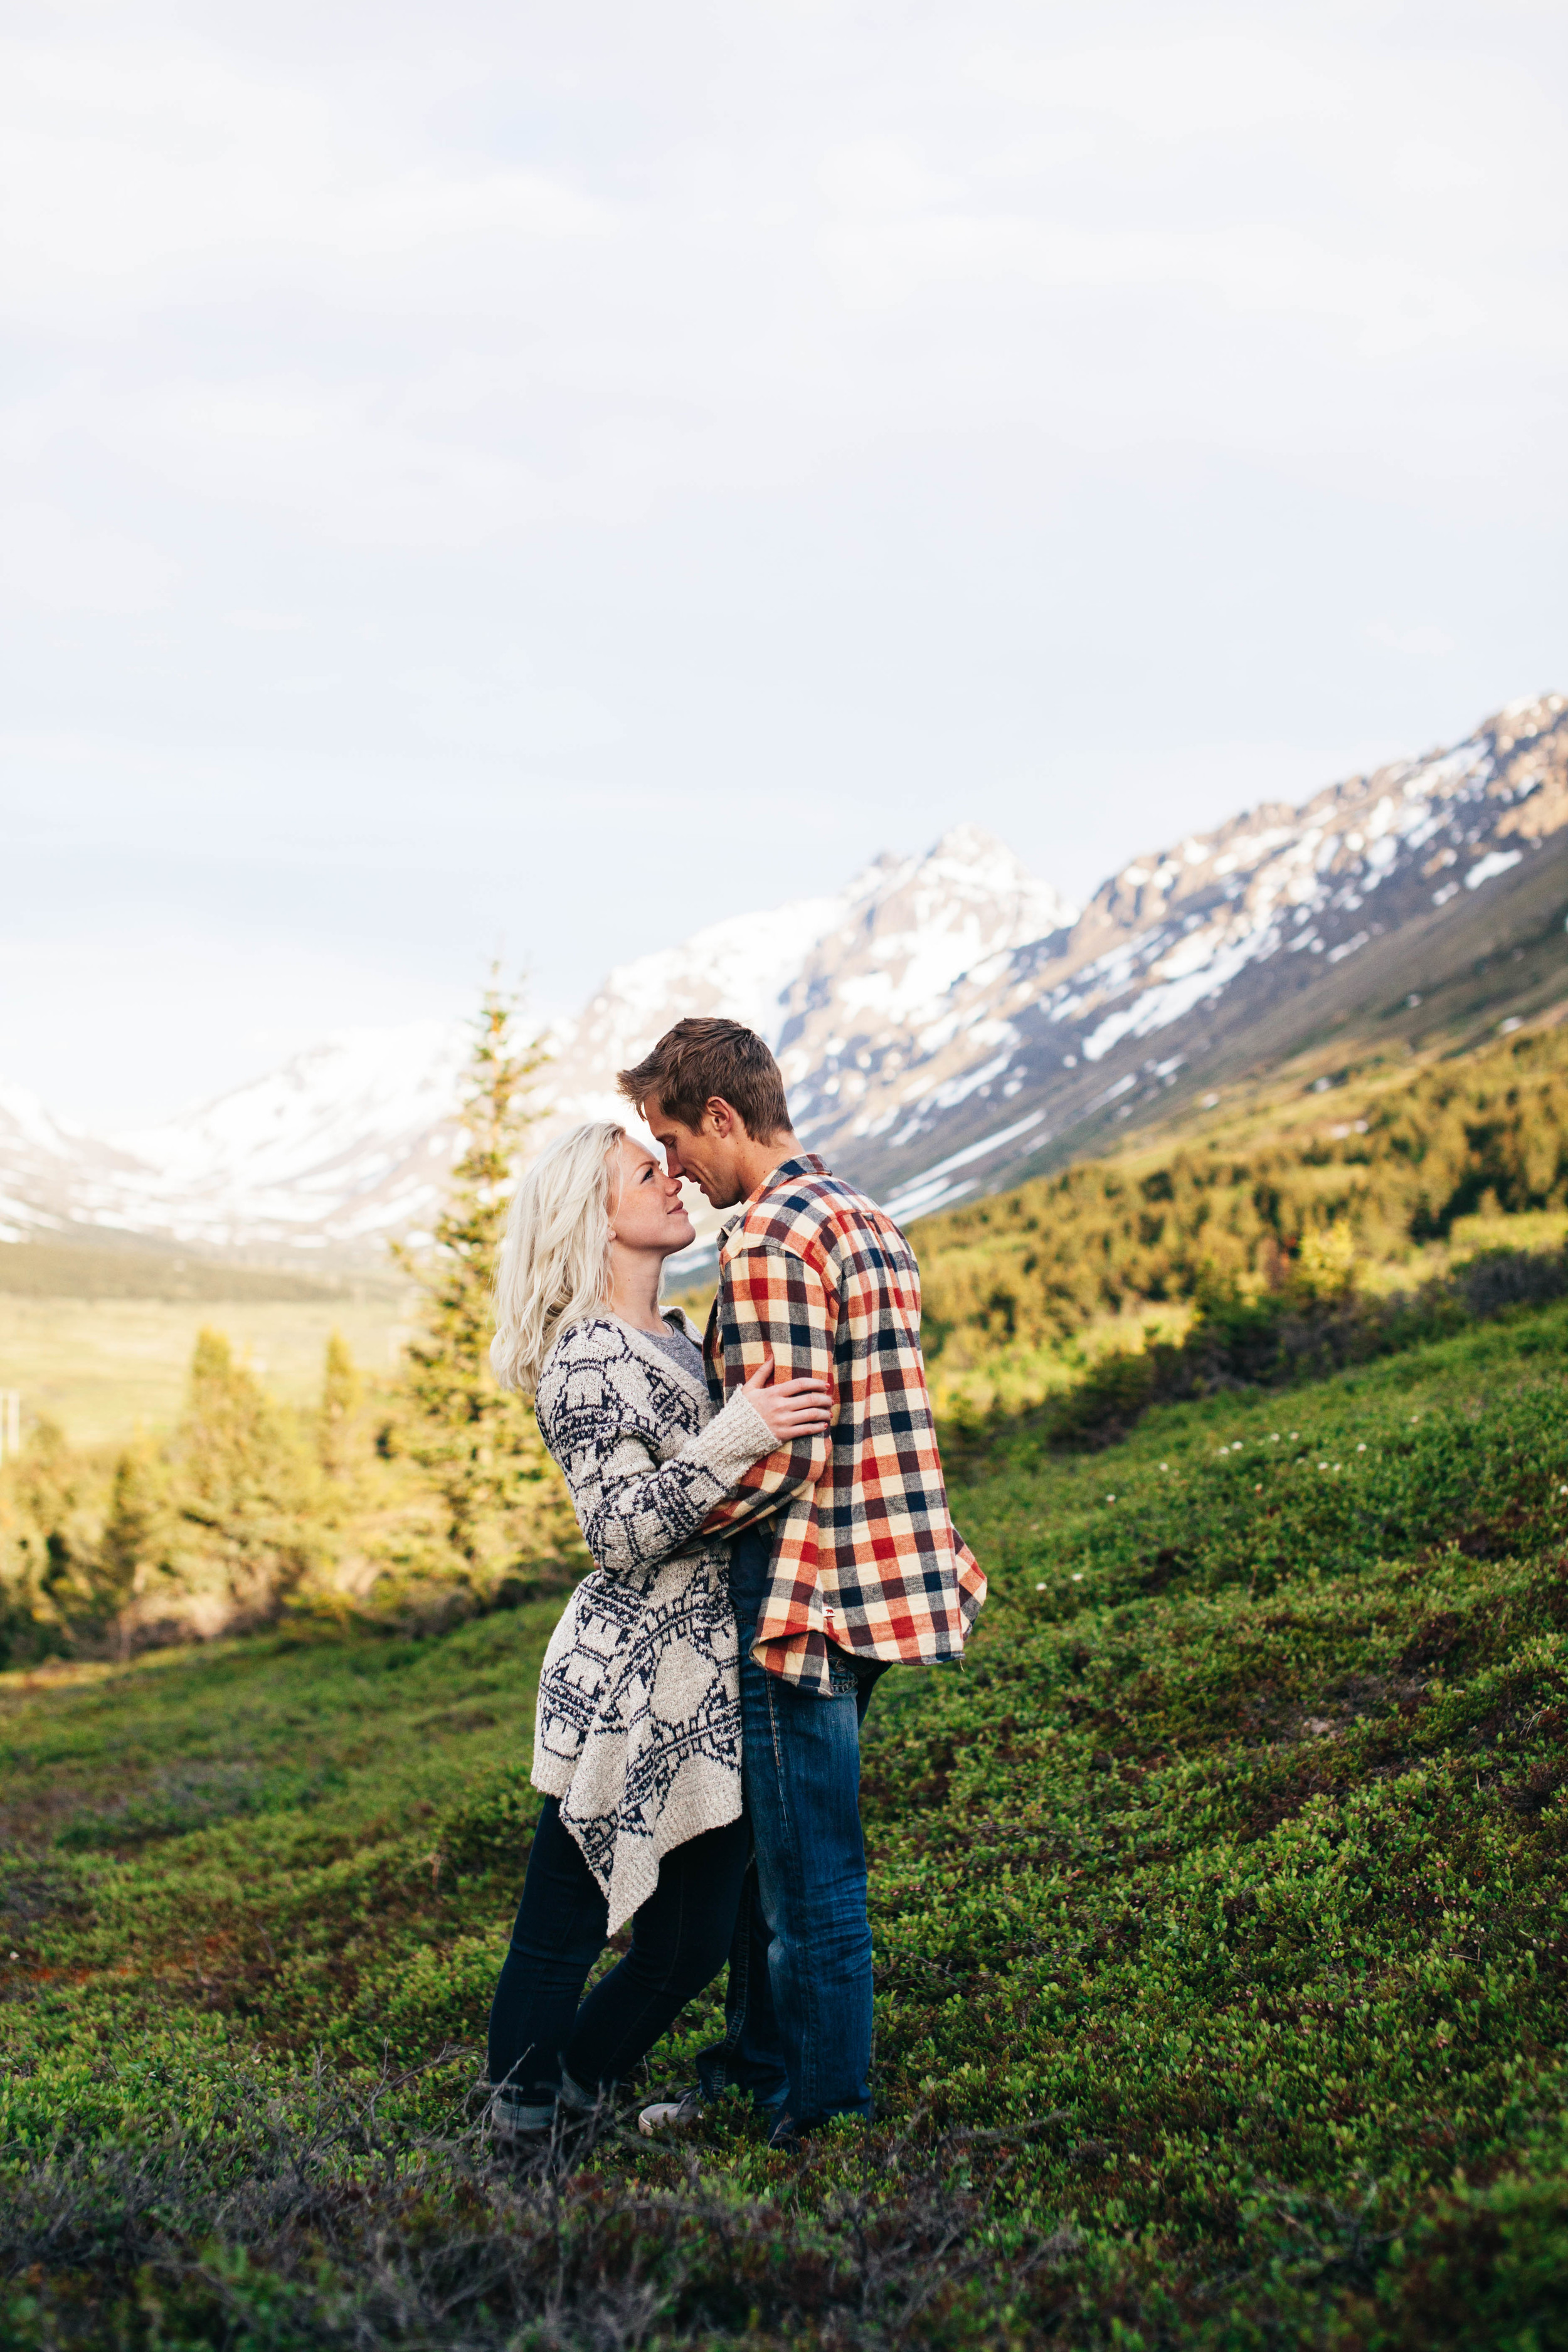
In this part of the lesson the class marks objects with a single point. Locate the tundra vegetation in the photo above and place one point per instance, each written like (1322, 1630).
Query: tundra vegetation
(1220, 1897)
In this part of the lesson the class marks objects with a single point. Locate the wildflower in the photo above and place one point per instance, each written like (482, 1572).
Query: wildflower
(1166, 1465)
(1110, 1498)
(1361, 1449)
(1274, 1439)
(1078, 1576)
(1295, 1433)
(1323, 1466)
(1039, 1588)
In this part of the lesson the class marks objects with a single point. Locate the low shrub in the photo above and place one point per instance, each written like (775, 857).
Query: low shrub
(1286, 1336)
(1220, 1903)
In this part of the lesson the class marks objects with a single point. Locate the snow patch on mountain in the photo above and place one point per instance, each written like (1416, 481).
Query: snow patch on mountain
(1175, 932)
(935, 1017)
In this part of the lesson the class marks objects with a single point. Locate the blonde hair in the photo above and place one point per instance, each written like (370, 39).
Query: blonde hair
(554, 1264)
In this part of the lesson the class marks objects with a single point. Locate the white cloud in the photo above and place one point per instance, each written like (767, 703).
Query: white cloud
(122, 171)
(638, 432)
(1423, 168)
(50, 562)
(1426, 644)
(1171, 90)
(1260, 268)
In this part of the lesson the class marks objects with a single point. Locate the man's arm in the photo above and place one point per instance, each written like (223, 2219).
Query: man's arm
(771, 1300)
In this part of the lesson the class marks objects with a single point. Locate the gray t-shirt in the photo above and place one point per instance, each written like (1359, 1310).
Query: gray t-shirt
(682, 1349)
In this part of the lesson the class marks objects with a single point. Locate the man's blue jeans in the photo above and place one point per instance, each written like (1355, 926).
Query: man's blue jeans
(797, 2016)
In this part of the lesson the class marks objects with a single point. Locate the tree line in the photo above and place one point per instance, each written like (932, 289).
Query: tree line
(428, 1499)
(435, 1496)
(1034, 1267)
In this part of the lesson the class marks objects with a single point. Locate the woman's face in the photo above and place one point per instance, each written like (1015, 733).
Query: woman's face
(647, 1212)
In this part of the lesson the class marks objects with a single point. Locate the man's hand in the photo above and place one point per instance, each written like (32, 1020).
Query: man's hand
(790, 1409)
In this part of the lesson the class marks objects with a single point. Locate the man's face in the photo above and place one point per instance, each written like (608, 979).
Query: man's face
(706, 1155)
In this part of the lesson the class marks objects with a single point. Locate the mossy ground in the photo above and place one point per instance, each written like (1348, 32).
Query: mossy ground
(1221, 1906)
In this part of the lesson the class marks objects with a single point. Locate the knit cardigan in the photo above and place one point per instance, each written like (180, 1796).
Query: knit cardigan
(638, 1728)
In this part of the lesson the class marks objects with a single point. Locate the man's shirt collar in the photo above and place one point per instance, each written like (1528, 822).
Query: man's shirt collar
(805, 1164)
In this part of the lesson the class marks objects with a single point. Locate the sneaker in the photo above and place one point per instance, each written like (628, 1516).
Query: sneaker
(670, 2115)
(514, 2120)
(576, 2101)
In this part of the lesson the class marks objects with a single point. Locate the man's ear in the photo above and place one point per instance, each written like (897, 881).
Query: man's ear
(725, 1121)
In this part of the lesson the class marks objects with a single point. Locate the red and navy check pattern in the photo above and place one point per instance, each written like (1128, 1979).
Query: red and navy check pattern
(865, 1555)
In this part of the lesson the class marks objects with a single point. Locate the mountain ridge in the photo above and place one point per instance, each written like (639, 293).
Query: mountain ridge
(945, 1021)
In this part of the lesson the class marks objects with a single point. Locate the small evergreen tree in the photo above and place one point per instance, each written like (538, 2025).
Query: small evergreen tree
(341, 1392)
(242, 1487)
(1326, 1267)
(45, 1546)
(137, 1540)
(51, 1488)
(505, 1504)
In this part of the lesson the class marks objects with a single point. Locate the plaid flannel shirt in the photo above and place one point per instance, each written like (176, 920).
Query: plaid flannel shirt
(865, 1556)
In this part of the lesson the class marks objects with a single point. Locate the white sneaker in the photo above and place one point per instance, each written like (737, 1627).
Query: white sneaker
(670, 2115)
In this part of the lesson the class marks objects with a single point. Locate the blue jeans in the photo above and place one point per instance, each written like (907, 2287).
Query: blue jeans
(797, 2015)
(679, 1937)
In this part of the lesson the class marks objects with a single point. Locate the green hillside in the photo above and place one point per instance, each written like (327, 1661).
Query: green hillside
(1379, 1174)
(1222, 1926)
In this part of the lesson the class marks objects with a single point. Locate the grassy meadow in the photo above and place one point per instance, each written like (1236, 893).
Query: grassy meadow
(103, 1370)
(1221, 1917)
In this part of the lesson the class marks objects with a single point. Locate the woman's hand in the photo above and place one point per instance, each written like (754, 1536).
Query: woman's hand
(789, 1409)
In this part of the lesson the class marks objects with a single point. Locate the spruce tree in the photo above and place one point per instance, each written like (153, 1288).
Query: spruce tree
(341, 1392)
(506, 1508)
(47, 1544)
(137, 1541)
(244, 1489)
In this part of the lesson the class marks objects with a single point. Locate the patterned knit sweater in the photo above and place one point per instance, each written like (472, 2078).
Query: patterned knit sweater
(637, 1730)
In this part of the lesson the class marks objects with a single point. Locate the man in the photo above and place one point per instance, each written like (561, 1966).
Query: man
(844, 1561)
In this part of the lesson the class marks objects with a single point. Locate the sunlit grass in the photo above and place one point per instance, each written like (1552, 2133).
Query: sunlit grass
(1224, 1881)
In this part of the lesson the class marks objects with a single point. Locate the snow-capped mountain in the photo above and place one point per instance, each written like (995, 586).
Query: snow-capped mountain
(38, 1156)
(941, 1020)
(1184, 947)
(887, 949)
(346, 1143)
(351, 1141)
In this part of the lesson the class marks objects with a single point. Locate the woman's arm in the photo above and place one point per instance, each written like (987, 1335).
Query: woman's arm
(634, 1510)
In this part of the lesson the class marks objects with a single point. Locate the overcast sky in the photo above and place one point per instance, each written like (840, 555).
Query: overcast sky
(540, 477)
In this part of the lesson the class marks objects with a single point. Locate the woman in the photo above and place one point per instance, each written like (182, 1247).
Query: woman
(637, 1731)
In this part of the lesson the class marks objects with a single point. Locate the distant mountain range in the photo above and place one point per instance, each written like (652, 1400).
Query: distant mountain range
(946, 1023)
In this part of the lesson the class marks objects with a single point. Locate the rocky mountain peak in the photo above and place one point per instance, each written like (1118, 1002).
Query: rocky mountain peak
(941, 1018)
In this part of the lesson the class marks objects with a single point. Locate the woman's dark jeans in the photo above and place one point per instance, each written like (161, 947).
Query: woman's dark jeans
(680, 1937)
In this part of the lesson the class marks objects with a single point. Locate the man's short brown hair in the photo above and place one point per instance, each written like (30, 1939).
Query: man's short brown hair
(700, 1058)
